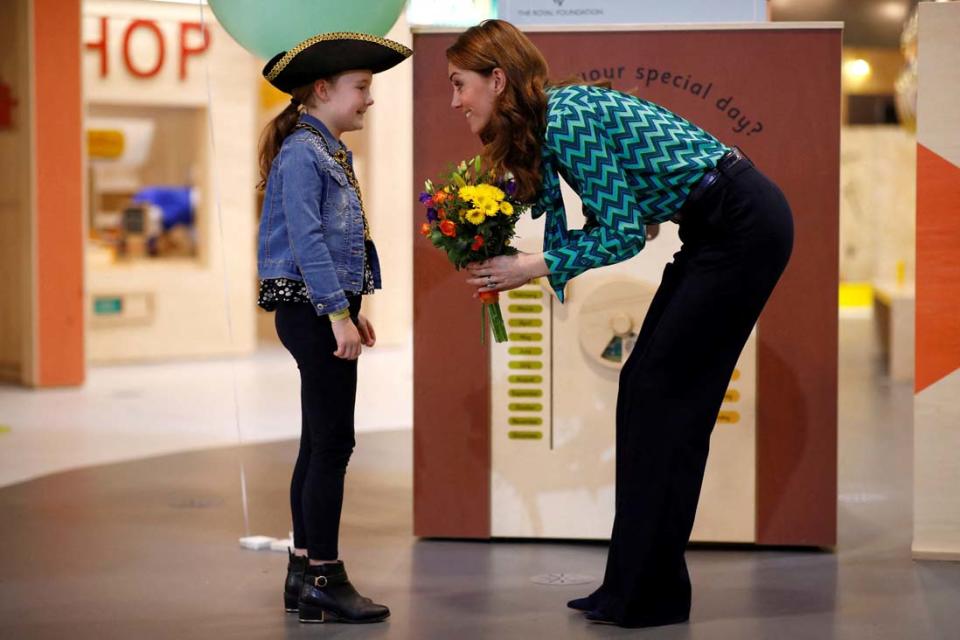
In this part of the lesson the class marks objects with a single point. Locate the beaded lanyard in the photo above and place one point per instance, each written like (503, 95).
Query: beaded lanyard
(340, 157)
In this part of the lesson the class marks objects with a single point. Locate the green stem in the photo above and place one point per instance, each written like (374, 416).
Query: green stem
(496, 322)
(483, 324)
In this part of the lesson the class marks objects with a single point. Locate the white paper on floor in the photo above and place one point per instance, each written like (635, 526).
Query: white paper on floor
(257, 543)
(264, 543)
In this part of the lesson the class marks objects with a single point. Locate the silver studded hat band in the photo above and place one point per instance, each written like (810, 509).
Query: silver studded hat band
(328, 54)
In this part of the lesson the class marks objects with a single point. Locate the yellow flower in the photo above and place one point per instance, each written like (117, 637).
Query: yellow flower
(488, 205)
(468, 193)
(506, 208)
(476, 216)
(490, 191)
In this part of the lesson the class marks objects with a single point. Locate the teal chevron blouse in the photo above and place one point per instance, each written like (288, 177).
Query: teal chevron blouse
(631, 161)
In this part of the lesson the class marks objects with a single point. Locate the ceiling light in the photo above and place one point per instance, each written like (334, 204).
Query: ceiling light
(857, 69)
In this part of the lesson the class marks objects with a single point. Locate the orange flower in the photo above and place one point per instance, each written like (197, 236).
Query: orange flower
(477, 243)
(425, 228)
(448, 229)
(441, 214)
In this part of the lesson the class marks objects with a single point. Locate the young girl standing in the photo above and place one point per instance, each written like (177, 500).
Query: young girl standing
(316, 260)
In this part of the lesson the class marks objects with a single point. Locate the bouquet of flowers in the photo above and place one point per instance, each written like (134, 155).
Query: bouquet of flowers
(471, 217)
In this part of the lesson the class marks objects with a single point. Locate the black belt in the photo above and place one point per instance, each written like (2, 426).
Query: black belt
(729, 160)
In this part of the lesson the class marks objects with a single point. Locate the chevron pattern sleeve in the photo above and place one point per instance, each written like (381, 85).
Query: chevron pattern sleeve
(575, 135)
(631, 161)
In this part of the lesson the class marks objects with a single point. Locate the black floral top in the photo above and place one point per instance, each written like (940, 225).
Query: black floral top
(273, 291)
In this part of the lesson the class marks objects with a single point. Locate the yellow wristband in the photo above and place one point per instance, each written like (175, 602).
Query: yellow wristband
(339, 315)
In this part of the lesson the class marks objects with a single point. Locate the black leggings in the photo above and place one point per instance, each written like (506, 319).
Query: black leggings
(328, 391)
(736, 242)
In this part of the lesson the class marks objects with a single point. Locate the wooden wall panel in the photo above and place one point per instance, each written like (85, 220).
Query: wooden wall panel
(58, 193)
(936, 420)
(15, 205)
(775, 93)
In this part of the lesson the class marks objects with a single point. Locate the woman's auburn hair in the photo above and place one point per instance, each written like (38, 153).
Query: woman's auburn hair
(514, 135)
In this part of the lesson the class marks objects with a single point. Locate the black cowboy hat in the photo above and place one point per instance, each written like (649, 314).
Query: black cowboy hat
(328, 54)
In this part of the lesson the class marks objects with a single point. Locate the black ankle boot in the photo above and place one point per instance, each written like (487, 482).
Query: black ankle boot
(328, 596)
(587, 603)
(296, 565)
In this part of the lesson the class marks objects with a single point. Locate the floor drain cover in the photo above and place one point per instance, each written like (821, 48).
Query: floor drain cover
(561, 579)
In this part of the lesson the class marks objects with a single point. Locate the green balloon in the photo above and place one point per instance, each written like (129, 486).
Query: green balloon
(267, 27)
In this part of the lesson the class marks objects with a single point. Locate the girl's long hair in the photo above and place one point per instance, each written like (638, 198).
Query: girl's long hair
(514, 135)
(279, 128)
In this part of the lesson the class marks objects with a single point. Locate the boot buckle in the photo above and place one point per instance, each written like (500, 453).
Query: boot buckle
(317, 581)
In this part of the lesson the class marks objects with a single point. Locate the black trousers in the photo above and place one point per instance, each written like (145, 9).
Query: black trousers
(737, 240)
(328, 391)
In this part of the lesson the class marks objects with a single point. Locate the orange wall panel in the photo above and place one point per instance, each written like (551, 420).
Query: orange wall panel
(58, 167)
(938, 268)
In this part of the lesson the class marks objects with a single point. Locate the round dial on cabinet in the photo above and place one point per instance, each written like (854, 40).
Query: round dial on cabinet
(621, 323)
(610, 319)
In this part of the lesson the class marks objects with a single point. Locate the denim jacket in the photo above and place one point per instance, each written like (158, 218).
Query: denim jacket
(311, 225)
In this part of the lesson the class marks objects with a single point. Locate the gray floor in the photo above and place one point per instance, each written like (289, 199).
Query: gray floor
(147, 549)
